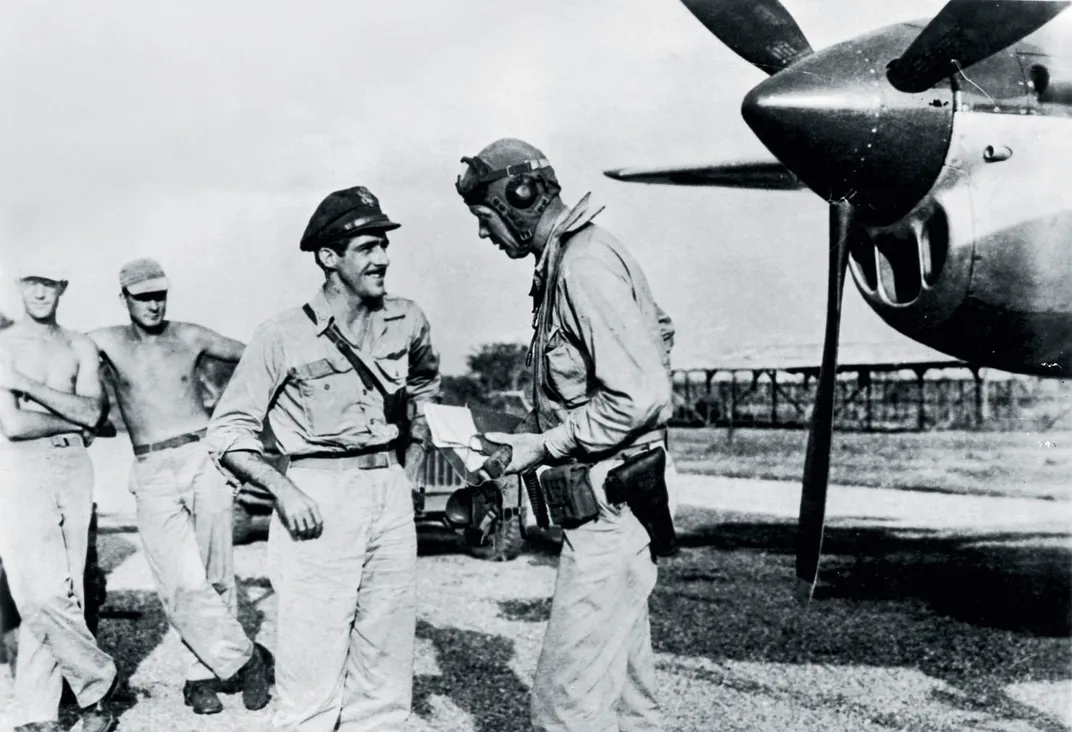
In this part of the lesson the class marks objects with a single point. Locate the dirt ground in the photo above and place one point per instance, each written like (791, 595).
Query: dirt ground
(934, 612)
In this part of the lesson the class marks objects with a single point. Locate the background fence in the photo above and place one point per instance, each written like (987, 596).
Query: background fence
(873, 399)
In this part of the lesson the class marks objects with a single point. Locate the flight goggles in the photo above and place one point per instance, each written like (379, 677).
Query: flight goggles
(480, 174)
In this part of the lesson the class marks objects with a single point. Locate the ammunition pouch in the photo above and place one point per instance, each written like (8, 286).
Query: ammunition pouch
(640, 483)
(567, 492)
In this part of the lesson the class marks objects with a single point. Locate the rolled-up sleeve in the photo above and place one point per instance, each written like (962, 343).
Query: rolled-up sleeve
(239, 416)
(631, 384)
(424, 382)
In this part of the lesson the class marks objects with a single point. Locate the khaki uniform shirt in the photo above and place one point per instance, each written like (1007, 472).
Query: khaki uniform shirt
(602, 344)
(292, 375)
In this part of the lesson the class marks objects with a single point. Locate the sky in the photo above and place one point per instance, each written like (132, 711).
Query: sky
(204, 134)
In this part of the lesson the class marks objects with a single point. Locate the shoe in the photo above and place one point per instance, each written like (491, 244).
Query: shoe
(39, 727)
(254, 678)
(233, 685)
(201, 695)
(102, 716)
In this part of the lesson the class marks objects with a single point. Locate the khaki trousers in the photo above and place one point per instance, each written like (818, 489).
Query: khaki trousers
(347, 602)
(46, 501)
(596, 671)
(185, 509)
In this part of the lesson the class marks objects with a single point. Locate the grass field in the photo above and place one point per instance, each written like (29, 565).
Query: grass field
(976, 463)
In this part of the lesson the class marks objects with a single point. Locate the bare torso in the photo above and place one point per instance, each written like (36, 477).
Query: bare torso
(45, 355)
(155, 379)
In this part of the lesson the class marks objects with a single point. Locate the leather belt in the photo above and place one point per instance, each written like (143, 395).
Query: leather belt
(49, 441)
(170, 442)
(367, 458)
(643, 443)
(67, 441)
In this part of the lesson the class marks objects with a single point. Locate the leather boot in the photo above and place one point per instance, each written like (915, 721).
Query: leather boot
(102, 716)
(255, 679)
(201, 696)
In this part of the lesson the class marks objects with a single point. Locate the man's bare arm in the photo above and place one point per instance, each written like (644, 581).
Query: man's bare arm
(299, 513)
(218, 346)
(86, 406)
(21, 424)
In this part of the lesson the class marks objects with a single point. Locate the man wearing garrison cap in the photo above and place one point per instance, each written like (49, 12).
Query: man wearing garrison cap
(342, 381)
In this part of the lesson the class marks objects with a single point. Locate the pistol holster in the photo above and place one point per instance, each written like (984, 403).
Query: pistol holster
(640, 483)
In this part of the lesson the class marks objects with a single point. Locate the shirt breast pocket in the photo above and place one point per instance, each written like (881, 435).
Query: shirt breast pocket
(331, 396)
(567, 373)
(393, 366)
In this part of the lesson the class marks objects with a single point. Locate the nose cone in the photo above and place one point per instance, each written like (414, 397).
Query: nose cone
(835, 121)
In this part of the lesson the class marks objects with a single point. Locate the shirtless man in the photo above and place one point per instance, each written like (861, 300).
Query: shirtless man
(184, 503)
(50, 397)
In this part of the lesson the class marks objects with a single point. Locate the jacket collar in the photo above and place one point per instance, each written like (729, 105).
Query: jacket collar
(389, 309)
(568, 222)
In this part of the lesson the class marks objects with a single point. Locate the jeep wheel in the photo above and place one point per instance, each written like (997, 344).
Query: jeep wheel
(506, 541)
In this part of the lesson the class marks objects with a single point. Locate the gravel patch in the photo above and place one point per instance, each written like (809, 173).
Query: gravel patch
(909, 631)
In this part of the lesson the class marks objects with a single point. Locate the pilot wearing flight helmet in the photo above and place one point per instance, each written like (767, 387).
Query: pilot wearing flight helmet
(601, 356)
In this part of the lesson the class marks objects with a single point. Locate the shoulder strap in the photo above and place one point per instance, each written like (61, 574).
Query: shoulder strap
(332, 332)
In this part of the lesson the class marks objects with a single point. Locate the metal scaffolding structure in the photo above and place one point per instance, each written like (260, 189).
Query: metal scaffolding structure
(871, 397)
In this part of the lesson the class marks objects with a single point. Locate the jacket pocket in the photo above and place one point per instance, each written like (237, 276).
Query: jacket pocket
(332, 394)
(567, 373)
(393, 367)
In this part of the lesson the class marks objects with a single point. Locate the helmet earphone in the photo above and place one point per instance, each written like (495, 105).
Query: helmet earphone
(522, 191)
(513, 179)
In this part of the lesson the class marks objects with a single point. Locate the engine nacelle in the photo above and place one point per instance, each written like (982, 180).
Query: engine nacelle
(981, 268)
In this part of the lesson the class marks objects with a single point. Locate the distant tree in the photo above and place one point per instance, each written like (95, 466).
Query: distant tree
(460, 391)
(497, 374)
(500, 366)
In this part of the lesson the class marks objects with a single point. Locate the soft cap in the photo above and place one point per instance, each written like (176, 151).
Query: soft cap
(143, 275)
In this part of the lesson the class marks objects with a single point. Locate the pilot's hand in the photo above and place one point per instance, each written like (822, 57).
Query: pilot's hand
(528, 450)
(299, 513)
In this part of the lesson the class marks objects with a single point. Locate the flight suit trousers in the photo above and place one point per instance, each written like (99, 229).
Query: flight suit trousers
(596, 671)
(347, 601)
(184, 507)
(46, 501)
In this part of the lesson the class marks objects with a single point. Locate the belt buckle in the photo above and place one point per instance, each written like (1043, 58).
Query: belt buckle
(375, 461)
(632, 452)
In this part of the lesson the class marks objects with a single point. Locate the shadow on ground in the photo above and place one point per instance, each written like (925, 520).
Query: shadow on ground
(133, 624)
(476, 677)
(542, 546)
(978, 612)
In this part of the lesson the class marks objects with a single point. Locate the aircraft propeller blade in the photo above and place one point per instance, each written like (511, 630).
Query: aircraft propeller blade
(817, 458)
(768, 175)
(761, 32)
(964, 32)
